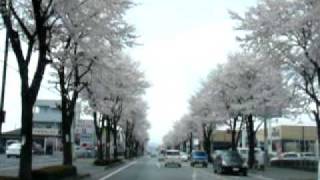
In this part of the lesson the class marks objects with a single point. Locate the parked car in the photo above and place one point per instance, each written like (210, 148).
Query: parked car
(13, 150)
(287, 156)
(172, 157)
(184, 156)
(229, 161)
(37, 149)
(307, 155)
(199, 157)
(82, 152)
(258, 156)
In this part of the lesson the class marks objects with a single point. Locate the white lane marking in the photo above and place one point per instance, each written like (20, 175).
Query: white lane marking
(118, 170)
(260, 177)
(194, 174)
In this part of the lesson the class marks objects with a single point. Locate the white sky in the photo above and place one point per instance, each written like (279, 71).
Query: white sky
(182, 40)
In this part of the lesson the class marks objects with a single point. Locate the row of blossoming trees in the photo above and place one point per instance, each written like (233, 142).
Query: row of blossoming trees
(276, 73)
(83, 41)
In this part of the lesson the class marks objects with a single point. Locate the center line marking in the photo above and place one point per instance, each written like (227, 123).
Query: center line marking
(118, 170)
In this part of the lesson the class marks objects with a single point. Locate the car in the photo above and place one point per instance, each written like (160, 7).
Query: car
(230, 161)
(13, 150)
(258, 155)
(172, 157)
(287, 156)
(184, 156)
(199, 157)
(307, 155)
(37, 149)
(161, 155)
(83, 152)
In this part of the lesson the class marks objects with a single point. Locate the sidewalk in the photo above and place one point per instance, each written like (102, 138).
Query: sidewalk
(284, 174)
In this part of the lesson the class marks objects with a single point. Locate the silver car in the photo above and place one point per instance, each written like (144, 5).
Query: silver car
(172, 157)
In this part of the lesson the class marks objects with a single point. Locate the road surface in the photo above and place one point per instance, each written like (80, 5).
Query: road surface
(150, 169)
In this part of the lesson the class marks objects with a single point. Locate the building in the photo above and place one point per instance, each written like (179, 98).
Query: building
(286, 138)
(221, 139)
(46, 125)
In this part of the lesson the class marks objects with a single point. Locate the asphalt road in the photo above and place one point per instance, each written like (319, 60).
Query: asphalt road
(150, 169)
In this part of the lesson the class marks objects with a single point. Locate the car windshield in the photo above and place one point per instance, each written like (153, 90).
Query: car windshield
(290, 155)
(232, 156)
(172, 153)
(199, 153)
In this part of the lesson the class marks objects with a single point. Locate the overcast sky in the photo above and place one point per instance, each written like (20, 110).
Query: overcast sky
(181, 41)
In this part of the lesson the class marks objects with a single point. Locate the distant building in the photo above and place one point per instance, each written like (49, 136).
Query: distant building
(287, 138)
(221, 139)
(46, 125)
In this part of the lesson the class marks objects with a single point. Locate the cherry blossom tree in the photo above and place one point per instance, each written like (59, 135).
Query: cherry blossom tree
(115, 87)
(289, 32)
(91, 32)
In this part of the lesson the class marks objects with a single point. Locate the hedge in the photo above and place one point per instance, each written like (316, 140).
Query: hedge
(54, 172)
(49, 173)
(309, 165)
(8, 178)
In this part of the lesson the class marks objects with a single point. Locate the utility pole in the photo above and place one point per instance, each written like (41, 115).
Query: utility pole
(3, 87)
(266, 144)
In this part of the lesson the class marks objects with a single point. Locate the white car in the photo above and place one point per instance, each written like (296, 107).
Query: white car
(308, 155)
(172, 157)
(287, 156)
(184, 156)
(258, 155)
(13, 150)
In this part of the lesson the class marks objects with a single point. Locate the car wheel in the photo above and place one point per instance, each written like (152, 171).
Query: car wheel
(179, 166)
(165, 165)
(191, 164)
(244, 173)
(8, 156)
(205, 165)
(220, 170)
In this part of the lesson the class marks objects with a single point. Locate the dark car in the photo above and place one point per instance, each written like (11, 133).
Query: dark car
(229, 161)
(199, 157)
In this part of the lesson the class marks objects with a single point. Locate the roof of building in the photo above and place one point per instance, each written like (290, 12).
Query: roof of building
(50, 103)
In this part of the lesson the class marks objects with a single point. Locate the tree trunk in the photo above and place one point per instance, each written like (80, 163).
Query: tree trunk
(66, 141)
(26, 140)
(251, 141)
(317, 118)
(99, 136)
(126, 140)
(115, 142)
(108, 138)
(233, 135)
(190, 144)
